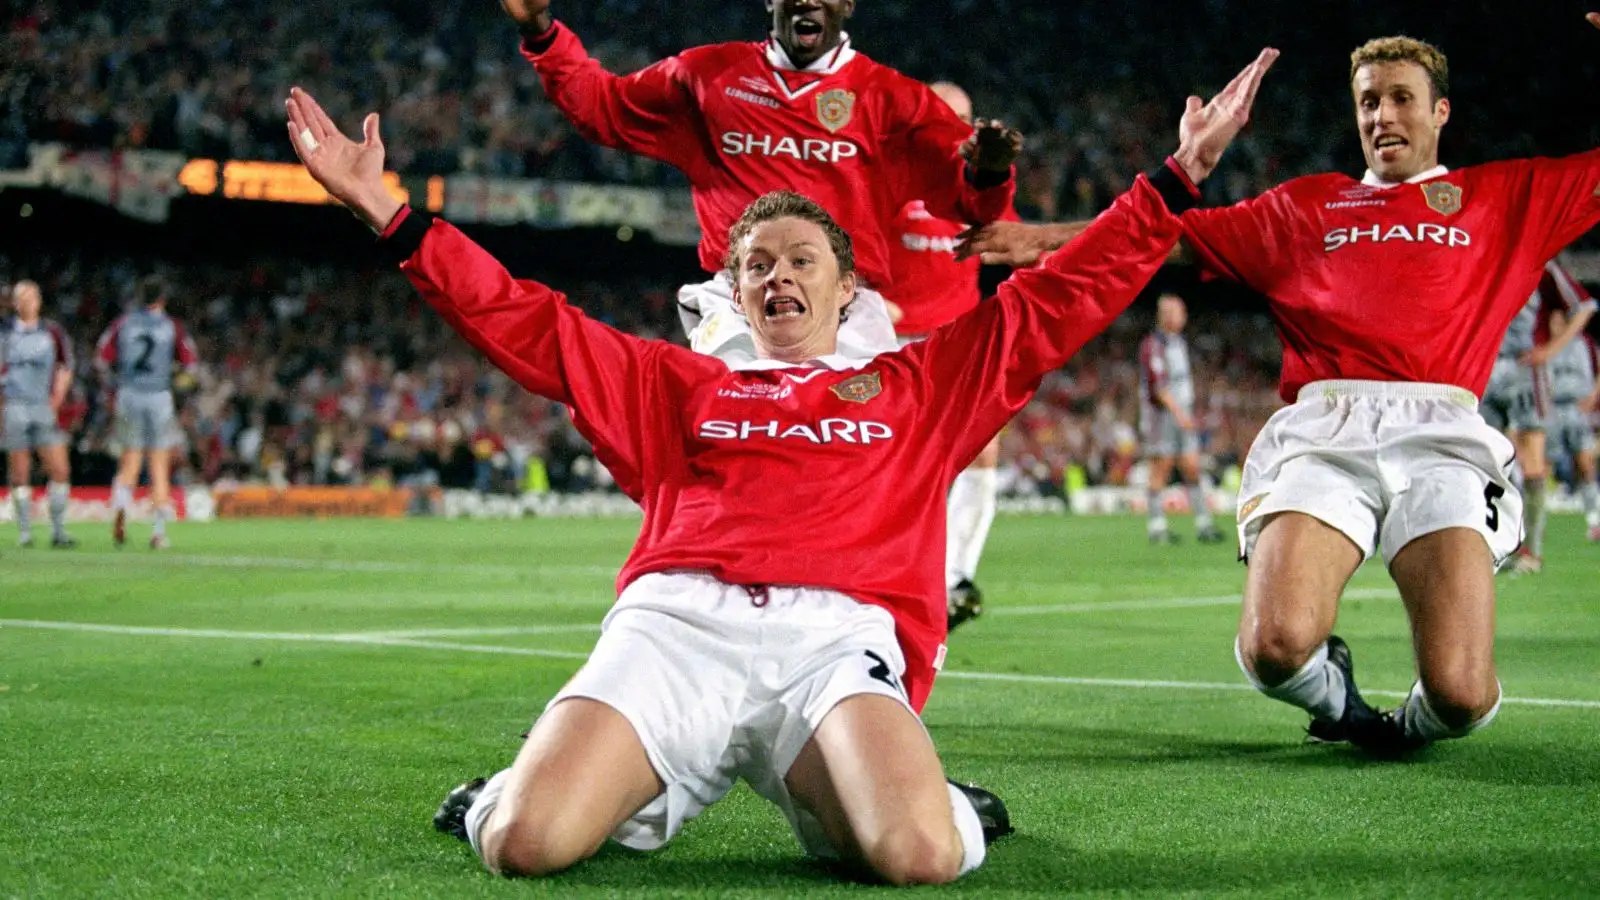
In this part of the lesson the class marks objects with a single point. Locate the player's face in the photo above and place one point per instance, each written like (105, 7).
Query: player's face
(1398, 120)
(791, 290)
(28, 301)
(1171, 315)
(955, 98)
(809, 28)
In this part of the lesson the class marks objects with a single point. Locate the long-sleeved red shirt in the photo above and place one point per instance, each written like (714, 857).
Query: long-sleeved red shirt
(854, 135)
(830, 475)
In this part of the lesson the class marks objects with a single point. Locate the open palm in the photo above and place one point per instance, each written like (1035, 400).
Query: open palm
(352, 173)
(1206, 129)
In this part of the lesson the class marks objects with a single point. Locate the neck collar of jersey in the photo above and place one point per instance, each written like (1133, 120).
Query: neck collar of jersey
(827, 64)
(1371, 179)
(21, 327)
(834, 361)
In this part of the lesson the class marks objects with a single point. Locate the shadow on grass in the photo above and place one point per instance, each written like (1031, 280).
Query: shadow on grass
(1032, 865)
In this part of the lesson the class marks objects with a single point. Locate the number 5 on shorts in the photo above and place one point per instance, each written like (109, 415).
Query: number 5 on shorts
(1491, 493)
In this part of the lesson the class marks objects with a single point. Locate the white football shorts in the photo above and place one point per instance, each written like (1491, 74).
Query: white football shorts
(1385, 463)
(716, 326)
(722, 683)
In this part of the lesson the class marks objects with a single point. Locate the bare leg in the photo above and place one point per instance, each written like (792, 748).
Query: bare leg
(871, 777)
(1447, 582)
(122, 493)
(580, 775)
(1298, 569)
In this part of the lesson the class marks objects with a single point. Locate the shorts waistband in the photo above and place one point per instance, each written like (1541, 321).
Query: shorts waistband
(1387, 390)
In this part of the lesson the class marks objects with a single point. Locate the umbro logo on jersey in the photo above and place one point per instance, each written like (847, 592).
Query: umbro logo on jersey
(1424, 233)
(748, 97)
(756, 391)
(826, 431)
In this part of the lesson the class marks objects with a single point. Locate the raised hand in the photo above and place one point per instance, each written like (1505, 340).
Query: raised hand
(352, 173)
(1001, 243)
(1206, 129)
(532, 16)
(993, 147)
(1594, 19)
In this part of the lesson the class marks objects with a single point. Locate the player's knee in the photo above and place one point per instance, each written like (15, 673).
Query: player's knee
(915, 854)
(1462, 695)
(1274, 652)
(528, 846)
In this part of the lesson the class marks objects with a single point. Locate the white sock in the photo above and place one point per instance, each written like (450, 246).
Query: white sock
(1155, 516)
(971, 513)
(1533, 515)
(487, 800)
(1197, 502)
(22, 499)
(1318, 688)
(969, 827)
(1591, 503)
(1423, 724)
(121, 496)
(163, 513)
(59, 492)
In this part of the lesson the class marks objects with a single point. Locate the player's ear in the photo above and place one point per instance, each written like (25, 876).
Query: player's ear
(847, 292)
(1441, 112)
(848, 10)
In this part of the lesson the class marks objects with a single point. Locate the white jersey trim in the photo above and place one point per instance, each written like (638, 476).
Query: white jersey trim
(1372, 179)
(830, 63)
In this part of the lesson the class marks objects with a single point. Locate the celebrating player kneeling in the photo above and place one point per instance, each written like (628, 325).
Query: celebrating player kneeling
(731, 653)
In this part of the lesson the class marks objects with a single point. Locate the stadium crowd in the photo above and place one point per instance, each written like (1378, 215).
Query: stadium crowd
(312, 374)
(208, 81)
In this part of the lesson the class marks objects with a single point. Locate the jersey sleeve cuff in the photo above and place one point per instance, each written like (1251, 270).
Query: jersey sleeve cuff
(403, 236)
(536, 44)
(1176, 190)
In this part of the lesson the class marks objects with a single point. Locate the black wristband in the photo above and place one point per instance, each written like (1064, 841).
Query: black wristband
(983, 179)
(1173, 188)
(539, 42)
(407, 237)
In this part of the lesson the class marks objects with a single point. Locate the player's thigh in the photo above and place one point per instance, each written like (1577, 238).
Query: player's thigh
(871, 777)
(1299, 566)
(582, 772)
(1189, 465)
(1446, 580)
(1160, 469)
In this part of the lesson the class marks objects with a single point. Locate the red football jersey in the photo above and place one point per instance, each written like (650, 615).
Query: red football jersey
(799, 475)
(1409, 282)
(931, 286)
(857, 137)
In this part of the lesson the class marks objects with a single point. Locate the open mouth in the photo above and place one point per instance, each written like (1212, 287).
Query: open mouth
(807, 31)
(783, 308)
(1389, 145)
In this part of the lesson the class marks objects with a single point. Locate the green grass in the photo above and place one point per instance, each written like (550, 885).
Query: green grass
(159, 765)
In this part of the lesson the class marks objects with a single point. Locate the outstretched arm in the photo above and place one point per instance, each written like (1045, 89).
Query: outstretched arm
(1041, 316)
(617, 384)
(648, 112)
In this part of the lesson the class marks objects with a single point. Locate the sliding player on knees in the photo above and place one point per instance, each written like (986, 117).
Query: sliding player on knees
(1391, 294)
(731, 653)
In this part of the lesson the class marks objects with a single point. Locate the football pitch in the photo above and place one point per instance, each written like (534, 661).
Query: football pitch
(274, 709)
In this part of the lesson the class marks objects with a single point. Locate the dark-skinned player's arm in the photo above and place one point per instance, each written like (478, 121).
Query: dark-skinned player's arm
(651, 112)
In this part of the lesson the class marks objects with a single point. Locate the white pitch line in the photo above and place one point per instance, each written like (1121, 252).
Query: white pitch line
(297, 637)
(321, 565)
(1374, 593)
(366, 640)
(476, 632)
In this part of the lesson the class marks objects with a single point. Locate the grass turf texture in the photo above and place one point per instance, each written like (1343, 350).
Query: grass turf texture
(259, 761)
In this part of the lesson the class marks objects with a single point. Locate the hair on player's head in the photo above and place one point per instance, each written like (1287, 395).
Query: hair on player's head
(152, 290)
(788, 205)
(1405, 49)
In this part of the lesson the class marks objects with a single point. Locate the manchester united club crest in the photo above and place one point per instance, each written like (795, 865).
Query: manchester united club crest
(858, 388)
(834, 108)
(1443, 197)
